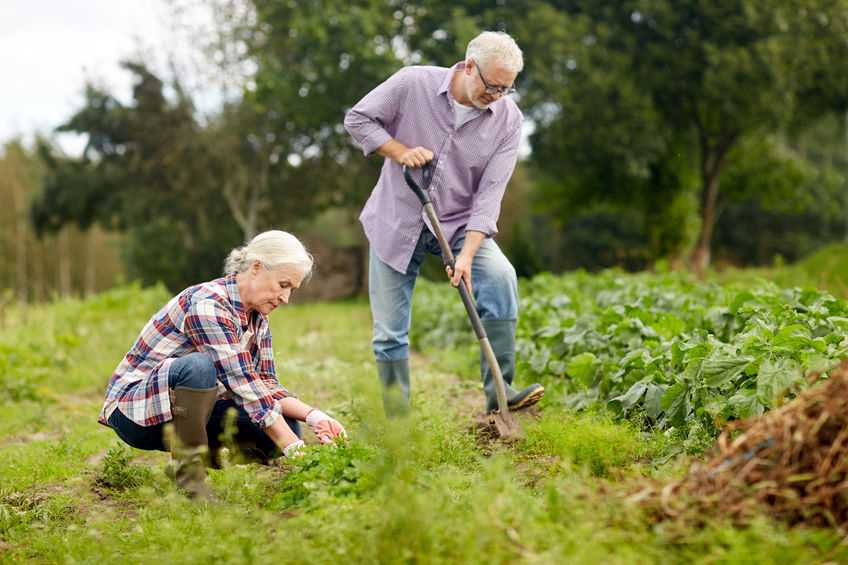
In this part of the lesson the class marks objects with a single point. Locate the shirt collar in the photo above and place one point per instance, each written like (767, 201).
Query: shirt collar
(445, 87)
(232, 290)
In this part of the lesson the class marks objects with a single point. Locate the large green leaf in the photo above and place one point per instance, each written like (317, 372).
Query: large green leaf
(675, 403)
(629, 399)
(745, 404)
(775, 378)
(793, 337)
(582, 368)
(653, 400)
(721, 370)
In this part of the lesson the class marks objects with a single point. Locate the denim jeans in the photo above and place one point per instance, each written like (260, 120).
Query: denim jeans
(197, 370)
(493, 282)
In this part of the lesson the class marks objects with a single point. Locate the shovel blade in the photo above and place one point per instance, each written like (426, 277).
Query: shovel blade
(506, 426)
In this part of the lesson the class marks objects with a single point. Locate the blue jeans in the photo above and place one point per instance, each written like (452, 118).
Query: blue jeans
(493, 282)
(197, 370)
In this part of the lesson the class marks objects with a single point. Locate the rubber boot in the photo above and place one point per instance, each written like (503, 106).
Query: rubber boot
(189, 444)
(395, 378)
(501, 335)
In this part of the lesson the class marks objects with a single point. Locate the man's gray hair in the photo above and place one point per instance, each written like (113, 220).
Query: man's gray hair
(273, 249)
(495, 46)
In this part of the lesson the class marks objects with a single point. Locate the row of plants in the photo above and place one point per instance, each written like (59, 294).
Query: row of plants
(678, 355)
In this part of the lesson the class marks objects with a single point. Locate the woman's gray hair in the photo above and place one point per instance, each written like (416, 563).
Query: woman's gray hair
(495, 46)
(273, 249)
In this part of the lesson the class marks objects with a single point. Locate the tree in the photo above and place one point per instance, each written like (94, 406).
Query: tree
(655, 83)
(71, 263)
(146, 170)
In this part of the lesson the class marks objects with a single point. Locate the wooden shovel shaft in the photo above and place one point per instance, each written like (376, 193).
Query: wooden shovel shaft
(471, 309)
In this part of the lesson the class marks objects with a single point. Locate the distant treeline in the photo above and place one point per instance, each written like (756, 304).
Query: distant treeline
(665, 130)
(65, 263)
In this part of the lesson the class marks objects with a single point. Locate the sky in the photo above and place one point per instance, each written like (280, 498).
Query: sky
(48, 48)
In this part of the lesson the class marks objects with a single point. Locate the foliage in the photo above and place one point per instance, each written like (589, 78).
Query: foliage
(678, 355)
(827, 268)
(119, 474)
(638, 107)
(320, 472)
(69, 262)
(641, 102)
(144, 170)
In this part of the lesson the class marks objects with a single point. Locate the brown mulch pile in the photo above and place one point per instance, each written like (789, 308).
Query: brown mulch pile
(791, 462)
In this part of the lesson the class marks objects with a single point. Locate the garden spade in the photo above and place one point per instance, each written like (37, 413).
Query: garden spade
(504, 421)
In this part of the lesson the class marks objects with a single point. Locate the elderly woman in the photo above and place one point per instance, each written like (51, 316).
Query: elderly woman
(209, 350)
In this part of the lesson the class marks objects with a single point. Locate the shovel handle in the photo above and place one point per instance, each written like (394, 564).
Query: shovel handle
(427, 178)
(464, 293)
(447, 252)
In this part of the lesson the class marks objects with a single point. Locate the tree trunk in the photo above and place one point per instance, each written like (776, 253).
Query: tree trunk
(19, 206)
(91, 261)
(64, 262)
(701, 255)
(39, 272)
(712, 163)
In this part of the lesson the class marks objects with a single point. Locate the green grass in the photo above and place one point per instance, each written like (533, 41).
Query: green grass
(420, 490)
(825, 269)
(593, 443)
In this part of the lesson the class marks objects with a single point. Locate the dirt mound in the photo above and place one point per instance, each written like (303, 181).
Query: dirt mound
(791, 462)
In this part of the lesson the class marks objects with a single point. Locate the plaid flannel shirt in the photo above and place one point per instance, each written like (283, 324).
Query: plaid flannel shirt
(210, 318)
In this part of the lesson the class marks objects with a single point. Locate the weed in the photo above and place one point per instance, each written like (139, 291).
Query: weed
(591, 441)
(118, 474)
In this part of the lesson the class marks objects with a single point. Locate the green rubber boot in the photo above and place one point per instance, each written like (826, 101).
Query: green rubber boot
(501, 335)
(189, 445)
(395, 378)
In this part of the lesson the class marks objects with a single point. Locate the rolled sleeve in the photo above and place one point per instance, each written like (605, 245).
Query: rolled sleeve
(482, 223)
(368, 120)
(214, 330)
(487, 201)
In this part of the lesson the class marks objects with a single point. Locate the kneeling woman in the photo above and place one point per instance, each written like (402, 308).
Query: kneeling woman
(208, 350)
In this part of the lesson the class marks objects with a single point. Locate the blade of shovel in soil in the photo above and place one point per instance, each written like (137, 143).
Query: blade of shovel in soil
(504, 421)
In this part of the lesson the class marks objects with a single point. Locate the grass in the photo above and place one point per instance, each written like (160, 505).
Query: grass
(420, 490)
(825, 269)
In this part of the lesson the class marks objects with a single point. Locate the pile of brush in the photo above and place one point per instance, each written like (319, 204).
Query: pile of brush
(791, 462)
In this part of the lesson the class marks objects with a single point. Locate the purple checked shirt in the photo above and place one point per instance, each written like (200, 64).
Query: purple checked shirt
(473, 163)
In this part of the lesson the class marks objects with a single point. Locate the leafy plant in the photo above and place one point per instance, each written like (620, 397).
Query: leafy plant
(663, 348)
(335, 472)
(119, 474)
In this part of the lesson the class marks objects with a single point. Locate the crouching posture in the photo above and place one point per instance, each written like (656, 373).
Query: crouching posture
(209, 350)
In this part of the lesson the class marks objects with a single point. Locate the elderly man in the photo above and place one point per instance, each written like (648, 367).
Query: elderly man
(461, 120)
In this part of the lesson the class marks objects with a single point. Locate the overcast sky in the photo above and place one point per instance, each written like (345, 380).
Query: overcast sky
(48, 48)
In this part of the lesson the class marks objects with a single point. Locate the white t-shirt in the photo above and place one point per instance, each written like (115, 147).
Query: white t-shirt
(462, 113)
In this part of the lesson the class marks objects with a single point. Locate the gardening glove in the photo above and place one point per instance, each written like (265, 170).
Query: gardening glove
(293, 449)
(326, 429)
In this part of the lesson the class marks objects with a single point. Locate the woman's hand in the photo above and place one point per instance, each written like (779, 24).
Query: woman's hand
(325, 428)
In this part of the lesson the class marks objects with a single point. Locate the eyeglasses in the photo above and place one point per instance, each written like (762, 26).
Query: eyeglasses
(493, 88)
